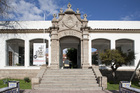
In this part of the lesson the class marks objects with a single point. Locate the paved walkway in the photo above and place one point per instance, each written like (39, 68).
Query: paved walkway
(68, 91)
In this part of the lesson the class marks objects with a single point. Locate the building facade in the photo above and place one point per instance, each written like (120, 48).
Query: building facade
(68, 30)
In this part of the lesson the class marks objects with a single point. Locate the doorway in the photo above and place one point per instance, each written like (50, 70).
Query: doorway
(70, 43)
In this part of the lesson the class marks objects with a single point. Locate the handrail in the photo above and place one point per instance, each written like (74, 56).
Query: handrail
(8, 89)
(102, 80)
(131, 89)
(36, 80)
(135, 71)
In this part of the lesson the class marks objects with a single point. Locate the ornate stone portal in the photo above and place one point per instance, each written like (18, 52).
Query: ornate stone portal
(69, 24)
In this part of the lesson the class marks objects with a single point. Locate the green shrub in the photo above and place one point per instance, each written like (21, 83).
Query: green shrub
(26, 79)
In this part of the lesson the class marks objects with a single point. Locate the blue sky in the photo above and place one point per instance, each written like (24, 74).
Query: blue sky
(33, 10)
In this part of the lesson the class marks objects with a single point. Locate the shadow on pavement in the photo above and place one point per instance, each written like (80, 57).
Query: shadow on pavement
(25, 91)
(111, 91)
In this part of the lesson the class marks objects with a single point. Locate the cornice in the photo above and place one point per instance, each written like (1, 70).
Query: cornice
(24, 31)
(90, 31)
(114, 31)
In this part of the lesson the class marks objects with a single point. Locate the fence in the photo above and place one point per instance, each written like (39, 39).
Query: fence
(13, 87)
(124, 87)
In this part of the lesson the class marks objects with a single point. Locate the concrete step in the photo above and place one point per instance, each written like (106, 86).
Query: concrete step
(82, 88)
(68, 75)
(65, 82)
(68, 85)
(61, 78)
(67, 79)
(69, 69)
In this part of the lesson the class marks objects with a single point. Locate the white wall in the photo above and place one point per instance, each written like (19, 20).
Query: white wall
(29, 36)
(115, 36)
(26, 37)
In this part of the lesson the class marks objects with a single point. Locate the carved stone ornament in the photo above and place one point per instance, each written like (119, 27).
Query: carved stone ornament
(61, 11)
(54, 15)
(69, 22)
(69, 6)
(77, 11)
(85, 16)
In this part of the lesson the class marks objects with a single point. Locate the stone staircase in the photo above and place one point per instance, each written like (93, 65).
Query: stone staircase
(69, 79)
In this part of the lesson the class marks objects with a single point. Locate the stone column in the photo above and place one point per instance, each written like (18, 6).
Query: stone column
(54, 54)
(82, 53)
(90, 53)
(78, 56)
(113, 44)
(54, 49)
(61, 57)
(85, 48)
(49, 53)
(26, 62)
(85, 63)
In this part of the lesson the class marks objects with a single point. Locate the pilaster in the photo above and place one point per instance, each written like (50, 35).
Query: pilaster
(54, 49)
(113, 45)
(85, 48)
(26, 62)
(49, 47)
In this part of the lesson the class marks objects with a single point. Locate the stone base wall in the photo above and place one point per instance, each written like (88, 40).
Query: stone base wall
(18, 73)
(122, 75)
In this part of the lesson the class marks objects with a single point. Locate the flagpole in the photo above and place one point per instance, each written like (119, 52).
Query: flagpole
(44, 30)
(135, 71)
(44, 39)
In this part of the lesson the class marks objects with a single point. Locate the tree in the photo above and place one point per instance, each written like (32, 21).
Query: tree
(95, 58)
(71, 54)
(116, 58)
(3, 7)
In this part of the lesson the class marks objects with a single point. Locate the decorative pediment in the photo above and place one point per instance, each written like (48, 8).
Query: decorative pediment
(69, 20)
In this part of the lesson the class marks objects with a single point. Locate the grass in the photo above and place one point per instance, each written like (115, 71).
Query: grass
(111, 86)
(23, 84)
(135, 85)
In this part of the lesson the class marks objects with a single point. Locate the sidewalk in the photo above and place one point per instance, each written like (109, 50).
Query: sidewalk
(68, 91)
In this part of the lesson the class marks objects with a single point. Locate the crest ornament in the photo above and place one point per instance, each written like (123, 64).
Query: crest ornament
(77, 11)
(85, 16)
(54, 15)
(69, 22)
(69, 6)
(61, 11)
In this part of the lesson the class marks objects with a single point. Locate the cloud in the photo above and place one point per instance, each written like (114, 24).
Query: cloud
(25, 10)
(49, 6)
(126, 18)
(133, 16)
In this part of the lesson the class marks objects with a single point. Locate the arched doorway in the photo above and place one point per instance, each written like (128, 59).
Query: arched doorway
(98, 45)
(15, 52)
(32, 42)
(70, 42)
(126, 46)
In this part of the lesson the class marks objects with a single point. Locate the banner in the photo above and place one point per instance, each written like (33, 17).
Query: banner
(39, 52)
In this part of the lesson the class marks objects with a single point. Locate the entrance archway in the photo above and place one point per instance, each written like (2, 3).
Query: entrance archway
(15, 52)
(70, 42)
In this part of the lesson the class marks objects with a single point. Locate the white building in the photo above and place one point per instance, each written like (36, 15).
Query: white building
(69, 30)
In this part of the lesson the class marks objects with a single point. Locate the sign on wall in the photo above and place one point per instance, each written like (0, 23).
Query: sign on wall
(12, 84)
(39, 50)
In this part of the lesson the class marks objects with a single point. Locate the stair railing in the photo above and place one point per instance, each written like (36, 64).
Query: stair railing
(36, 80)
(101, 80)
